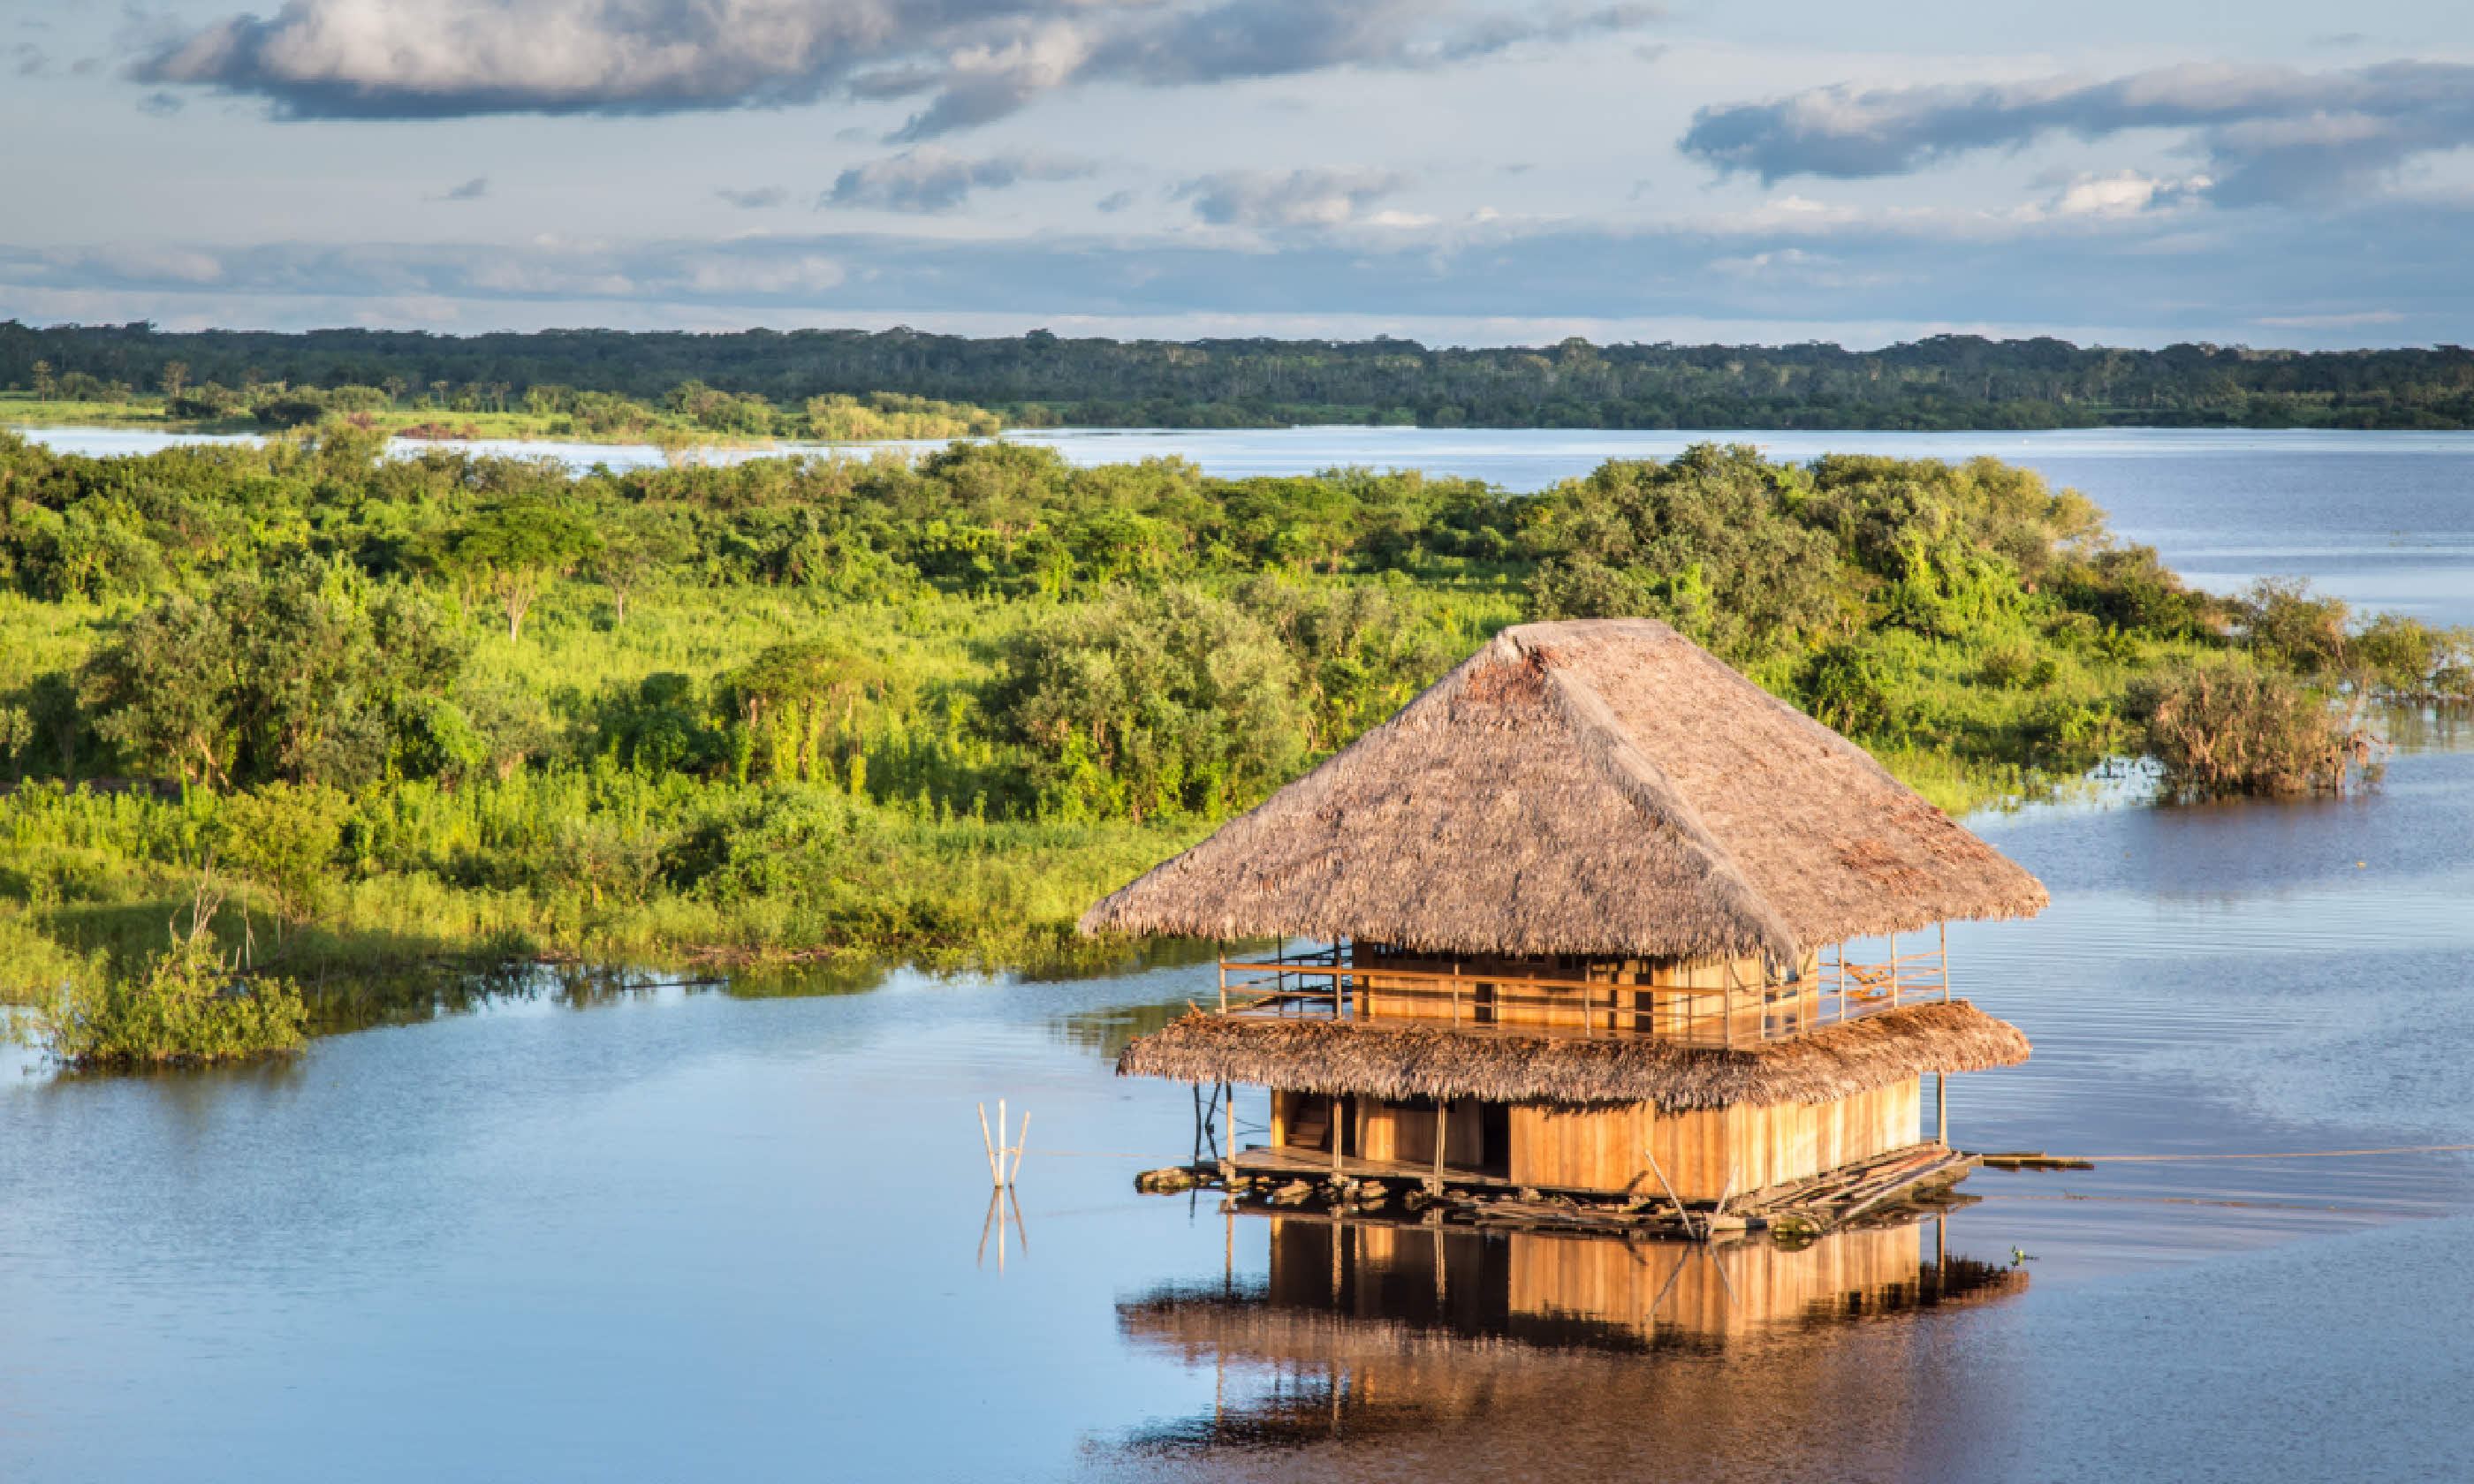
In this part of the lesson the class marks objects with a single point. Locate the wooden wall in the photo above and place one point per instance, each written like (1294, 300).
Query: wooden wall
(1383, 1131)
(1600, 1148)
(1641, 1004)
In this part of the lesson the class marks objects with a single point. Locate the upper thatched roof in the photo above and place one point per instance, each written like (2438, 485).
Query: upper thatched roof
(1397, 1060)
(1604, 787)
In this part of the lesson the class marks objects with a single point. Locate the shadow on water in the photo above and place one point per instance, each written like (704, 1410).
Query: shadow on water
(1365, 1330)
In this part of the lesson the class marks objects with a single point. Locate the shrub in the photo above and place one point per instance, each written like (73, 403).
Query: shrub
(284, 837)
(2019, 667)
(1844, 688)
(1164, 703)
(186, 1004)
(2280, 618)
(2218, 730)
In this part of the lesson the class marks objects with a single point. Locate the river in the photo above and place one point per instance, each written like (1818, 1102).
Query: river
(687, 1232)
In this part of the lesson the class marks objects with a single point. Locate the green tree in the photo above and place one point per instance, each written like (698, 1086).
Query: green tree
(1710, 540)
(307, 674)
(174, 376)
(513, 549)
(806, 684)
(636, 546)
(1163, 703)
(284, 837)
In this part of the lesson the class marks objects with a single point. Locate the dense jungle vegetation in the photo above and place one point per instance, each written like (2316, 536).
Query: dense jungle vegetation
(399, 712)
(1948, 381)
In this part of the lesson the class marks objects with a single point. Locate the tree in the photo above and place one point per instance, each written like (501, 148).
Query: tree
(810, 680)
(512, 550)
(635, 548)
(1163, 703)
(306, 674)
(43, 384)
(175, 376)
(395, 387)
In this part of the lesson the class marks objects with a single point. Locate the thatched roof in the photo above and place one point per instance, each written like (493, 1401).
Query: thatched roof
(1599, 787)
(1398, 1060)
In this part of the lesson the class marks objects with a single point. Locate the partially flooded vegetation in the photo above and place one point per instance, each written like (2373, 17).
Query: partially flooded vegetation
(428, 715)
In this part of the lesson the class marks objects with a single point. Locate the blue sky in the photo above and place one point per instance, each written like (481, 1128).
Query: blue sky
(1460, 173)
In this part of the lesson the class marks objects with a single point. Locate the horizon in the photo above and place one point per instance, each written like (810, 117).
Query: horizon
(143, 326)
(1479, 175)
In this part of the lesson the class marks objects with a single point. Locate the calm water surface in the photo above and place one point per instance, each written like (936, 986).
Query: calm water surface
(688, 1233)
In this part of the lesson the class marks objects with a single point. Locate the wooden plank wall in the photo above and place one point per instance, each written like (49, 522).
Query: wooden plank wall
(1600, 1148)
(1595, 1147)
(1643, 1010)
(1401, 1131)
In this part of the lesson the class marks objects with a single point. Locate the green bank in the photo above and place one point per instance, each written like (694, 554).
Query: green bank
(407, 719)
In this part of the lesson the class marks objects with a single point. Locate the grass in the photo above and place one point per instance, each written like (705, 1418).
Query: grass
(23, 410)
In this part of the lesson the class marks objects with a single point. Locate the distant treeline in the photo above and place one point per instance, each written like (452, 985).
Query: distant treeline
(1946, 381)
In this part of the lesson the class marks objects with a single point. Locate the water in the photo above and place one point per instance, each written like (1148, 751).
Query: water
(695, 1231)
(2384, 521)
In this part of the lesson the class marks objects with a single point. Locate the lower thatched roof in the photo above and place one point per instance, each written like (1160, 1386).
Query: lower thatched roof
(1398, 1060)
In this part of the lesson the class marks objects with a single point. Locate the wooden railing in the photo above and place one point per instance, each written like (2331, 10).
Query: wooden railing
(1324, 983)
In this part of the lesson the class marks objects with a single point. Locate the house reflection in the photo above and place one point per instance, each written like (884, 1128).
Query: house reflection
(1362, 1328)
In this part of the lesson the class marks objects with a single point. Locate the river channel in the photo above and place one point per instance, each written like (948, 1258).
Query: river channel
(610, 1228)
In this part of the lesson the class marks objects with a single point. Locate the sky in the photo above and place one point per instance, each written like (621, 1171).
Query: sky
(1458, 171)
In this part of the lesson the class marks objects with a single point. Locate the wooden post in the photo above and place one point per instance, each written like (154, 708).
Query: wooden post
(1443, 1133)
(1339, 1104)
(1945, 959)
(1894, 971)
(1220, 956)
(1670, 1189)
(1727, 1004)
(1941, 1109)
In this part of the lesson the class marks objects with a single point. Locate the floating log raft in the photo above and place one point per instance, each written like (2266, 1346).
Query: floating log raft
(1889, 1188)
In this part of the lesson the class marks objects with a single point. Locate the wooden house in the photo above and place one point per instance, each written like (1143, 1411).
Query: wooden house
(1575, 919)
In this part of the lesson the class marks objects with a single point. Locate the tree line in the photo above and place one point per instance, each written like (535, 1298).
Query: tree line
(1945, 381)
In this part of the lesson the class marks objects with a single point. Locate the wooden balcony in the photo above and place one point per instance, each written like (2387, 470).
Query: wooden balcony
(1746, 1006)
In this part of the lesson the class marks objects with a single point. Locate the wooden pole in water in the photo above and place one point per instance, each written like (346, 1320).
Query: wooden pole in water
(994, 1179)
(1941, 1109)
(1443, 1133)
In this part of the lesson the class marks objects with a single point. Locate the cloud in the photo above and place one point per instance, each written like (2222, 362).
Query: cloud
(929, 178)
(756, 199)
(1328, 195)
(2333, 321)
(2268, 134)
(471, 190)
(162, 105)
(1116, 200)
(1779, 279)
(974, 59)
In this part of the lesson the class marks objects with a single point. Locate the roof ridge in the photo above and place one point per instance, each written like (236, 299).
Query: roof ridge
(1603, 740)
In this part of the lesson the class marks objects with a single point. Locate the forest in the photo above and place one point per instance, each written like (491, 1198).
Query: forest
(400, 715)
(1946, 381)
